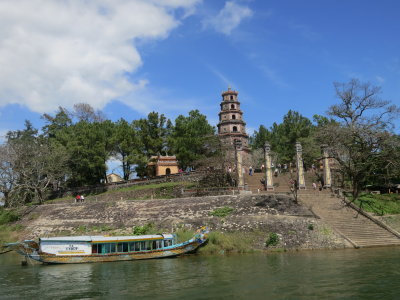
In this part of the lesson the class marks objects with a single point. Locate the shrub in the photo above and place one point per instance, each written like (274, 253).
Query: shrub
(8, 216)
(184, 234)
(222, 211)
(272, 240)
(310, 227)
(145, 229)
(220, 242)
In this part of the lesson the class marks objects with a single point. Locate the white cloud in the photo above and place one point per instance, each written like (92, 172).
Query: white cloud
(229, 17)
(56, 52)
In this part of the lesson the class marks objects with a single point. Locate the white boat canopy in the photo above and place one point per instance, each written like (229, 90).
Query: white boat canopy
(102, 238)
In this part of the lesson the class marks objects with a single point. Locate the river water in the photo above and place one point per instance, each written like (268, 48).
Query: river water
(339, 274)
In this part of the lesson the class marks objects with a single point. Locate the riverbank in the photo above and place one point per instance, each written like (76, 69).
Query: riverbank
(240, 223)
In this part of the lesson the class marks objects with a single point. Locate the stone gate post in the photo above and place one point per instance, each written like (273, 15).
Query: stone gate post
(327, 167)
(239, 163)
(300, 168)
(269, 185)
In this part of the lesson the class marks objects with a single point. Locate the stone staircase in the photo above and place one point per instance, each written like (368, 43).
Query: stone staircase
(355, 227)
(359, 230)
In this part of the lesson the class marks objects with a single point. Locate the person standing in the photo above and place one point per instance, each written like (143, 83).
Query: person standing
(251, 171)
(314, 185)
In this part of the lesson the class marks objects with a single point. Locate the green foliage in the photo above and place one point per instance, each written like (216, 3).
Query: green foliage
(145, 229)
(82, 229)
(310, 226)
(221, 242)
(125, 143)
(8, 216)
(222, 211)
(101, 228)
(273, 240)
(283, 137)
(183, 234)
(385, 204)
(90, 146)
(189, 138)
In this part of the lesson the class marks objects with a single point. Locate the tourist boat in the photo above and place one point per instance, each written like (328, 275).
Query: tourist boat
(85, 249)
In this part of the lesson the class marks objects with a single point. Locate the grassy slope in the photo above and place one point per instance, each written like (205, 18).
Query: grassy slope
(385, 204)
(157, 191)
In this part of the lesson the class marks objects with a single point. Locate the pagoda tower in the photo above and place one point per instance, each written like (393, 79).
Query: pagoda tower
(231, 126)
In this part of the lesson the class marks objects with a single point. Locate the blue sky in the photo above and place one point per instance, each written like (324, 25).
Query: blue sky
(132, 57)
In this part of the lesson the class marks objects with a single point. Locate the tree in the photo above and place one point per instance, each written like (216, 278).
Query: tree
(190, 138)
(126, 146)
(30, 166)
(39, 168)
(85, 112)
(260, 137)
(8, 177)
(358, 140)
(55, 125)
(89, 146)
(284, 136)
(152, 136)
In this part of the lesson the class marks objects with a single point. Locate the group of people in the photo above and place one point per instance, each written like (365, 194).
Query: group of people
(79, 198)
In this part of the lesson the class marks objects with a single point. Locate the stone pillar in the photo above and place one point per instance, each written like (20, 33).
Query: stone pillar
(327, 167)
(300, 169)
(269, 185)
(239, 163)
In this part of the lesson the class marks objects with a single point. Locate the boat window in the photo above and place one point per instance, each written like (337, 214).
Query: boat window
(148, 245)
(100, 248)
(131, 246)
(94, 248)
(108, 247)
(137, 246)
(167, 243)
(142, 246)
(155, 245)
(119, 247)
(124, 247)
(112, 248)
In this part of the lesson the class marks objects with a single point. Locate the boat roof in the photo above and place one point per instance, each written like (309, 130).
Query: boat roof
(102, 238)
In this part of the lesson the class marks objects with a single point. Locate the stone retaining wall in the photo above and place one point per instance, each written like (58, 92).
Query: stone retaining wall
(296, 225)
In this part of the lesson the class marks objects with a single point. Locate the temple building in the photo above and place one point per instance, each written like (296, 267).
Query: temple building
(232, 127)
(162, 165)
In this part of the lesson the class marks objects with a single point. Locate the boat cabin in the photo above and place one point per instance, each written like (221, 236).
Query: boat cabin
(104, 245)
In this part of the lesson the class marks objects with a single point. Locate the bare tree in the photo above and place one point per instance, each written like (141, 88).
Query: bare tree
(8, 176)
(359, 138)
(85, 112)
(30, 170)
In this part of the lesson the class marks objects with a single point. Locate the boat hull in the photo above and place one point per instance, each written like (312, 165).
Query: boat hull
(93, 258)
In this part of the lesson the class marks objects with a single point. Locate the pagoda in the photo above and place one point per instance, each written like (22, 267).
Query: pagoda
(232, 127)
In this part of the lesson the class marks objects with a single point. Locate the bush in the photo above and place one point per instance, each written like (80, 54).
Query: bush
(183, 234)
(145, 229)
(8, 216)
(220, 242)
(272, 240)
(221, 212)
(310, 226)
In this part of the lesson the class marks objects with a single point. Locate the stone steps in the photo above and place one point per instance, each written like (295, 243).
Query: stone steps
(348, 222)
(362, 231)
